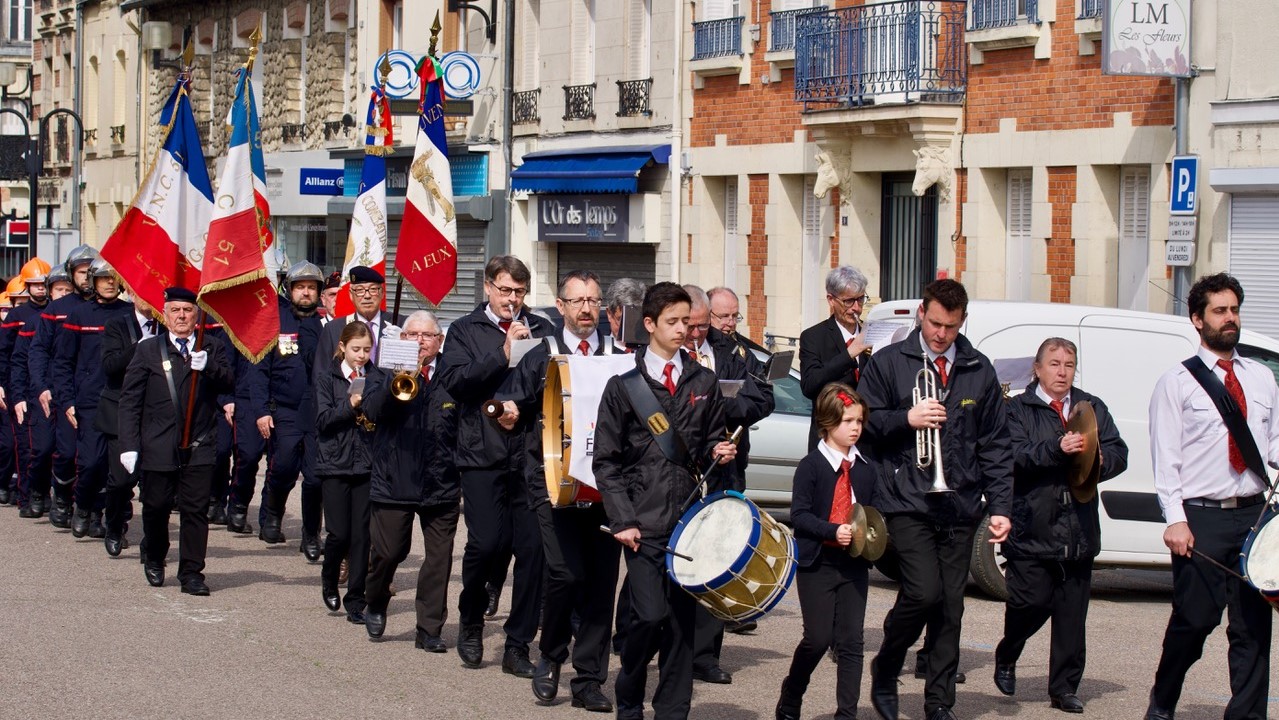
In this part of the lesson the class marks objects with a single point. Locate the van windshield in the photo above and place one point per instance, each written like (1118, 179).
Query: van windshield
(1265, 357)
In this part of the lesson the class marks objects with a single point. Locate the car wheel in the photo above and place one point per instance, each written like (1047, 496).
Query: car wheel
(987, 563)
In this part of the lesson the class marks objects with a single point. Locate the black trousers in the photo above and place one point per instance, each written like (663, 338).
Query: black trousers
(1200, 591)
(708, 639)
(39, 451)
(223, 467)
(934, 569)
(391, 537)
(832, 598)
(663, 621)
(291, 452)
(120, 485)
(1037, 591)
(8, 455)
(346, 515)
(500, 522)
(249, 448)
(189, 486)
(91, 462)
(581, 579)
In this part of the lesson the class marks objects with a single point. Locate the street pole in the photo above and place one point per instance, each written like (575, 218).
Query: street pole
(1181, 117)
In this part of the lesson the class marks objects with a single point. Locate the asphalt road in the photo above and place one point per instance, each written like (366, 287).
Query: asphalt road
(85, 636)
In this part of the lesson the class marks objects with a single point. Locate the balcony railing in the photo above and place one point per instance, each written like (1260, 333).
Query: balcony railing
(1091, 8)
(292, 133)
(579, 102)
(117, 134)
(989, 14)
(911, 50)
(717, 38)
(524, 108)
(781, 28)
(633, 97)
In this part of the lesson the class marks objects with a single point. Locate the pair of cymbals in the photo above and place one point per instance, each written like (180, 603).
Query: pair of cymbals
(870, 533)
(1085, 470)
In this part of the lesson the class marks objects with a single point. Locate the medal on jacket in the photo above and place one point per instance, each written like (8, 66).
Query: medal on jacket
(288, 344)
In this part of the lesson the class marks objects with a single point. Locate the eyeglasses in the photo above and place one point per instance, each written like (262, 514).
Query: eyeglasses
(419, 335)
(849, 302)
(503, 290)
(735, 318)
(700, 328)
(577, 303)
(366, 290)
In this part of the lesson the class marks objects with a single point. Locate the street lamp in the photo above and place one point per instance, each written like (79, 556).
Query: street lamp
(28, 151)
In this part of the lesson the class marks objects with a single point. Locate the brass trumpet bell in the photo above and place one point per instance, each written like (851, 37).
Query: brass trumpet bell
(404, 386)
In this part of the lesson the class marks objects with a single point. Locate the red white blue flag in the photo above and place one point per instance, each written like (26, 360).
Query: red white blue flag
(427, 252)
(366, 242)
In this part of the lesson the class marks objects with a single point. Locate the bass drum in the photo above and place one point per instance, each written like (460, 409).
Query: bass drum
(557, 438)
(1259, 559)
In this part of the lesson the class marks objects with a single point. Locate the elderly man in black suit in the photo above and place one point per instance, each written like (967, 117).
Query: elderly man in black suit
(834, 350)
(152, 414)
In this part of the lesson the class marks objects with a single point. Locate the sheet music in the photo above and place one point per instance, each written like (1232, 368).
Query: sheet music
(874, 332)
(520, 348)
(730, 388)
(397, 354)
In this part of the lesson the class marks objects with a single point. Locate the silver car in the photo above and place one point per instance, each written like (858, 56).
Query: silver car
(778, 443)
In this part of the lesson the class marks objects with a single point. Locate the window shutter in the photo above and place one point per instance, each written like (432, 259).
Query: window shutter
(1134, 205)
(638, 21)
(716, 9)
(1019, 204)
(528, 39)
(582, 32)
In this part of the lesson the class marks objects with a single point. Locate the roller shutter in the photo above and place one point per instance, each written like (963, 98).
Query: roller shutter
(1254, 255)
(609, 260)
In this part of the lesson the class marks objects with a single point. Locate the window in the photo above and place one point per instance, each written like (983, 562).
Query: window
(19, 19)
(732, 238)
(582, 30)
(91, 96)
(120, 85)
(397, 24)
(528, 40)
(721, 9)
(1134, 237)
(638, 21)
(1017, 233)
(814, 305)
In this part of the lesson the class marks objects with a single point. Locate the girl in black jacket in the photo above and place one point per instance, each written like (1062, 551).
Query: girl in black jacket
(343, 465)
(832, 583)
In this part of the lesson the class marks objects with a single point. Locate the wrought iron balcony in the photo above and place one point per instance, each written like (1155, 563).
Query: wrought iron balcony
(633, 97)
(117, 134)
(91, 136)
(908, 51)
(524, 107)
(1091, 8)
(579, 102)
(781, 28)
(292, 133)
(989, 14)
(717, 38)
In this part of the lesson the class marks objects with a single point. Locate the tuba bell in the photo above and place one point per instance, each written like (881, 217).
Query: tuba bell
(928, 440)
(404, 386)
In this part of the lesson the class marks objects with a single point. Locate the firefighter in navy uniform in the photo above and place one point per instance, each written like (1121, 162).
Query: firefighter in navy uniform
(119, 340)
(282, 406)
(39, 362)
(78, 381)
(14, 379)
(35, 431)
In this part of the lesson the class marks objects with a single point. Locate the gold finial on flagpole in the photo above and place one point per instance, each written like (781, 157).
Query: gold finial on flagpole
(254, 39)
(384, 69)
(188, 55)
(435, 34)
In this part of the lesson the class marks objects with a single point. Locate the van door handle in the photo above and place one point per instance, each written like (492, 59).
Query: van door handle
(754, 427)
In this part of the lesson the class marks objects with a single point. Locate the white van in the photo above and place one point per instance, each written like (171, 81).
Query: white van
(1122, 353)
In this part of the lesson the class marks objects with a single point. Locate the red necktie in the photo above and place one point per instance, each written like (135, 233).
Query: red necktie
(584, 348)
(941, 369)
(1236, 393)
(667, 380)
(504, 324)
(841, 505)
(355, 374)
(1060, 407)
(426, 375)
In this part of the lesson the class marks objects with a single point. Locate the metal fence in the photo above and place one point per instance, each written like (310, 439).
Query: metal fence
(911, 50)
(717, 38)
(1003, 13)
(525, 106)
(781, 28)
(633, 97)
(579, 102)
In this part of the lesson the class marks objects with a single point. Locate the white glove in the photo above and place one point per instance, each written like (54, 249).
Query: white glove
(199, 360)
(130, 461)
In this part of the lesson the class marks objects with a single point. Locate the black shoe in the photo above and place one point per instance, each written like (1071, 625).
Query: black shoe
(546, 680)
(1158, 713)
(883, 693)
(330, 592)
(781, 714)
(6, 496)
(430, 643)
(941, 713)
(356, 617)
(195, 586)
(742, 628)
(39, 504)
(80, 524)
(96, 528)
(114, 544)
(310, 546)
(60, 516)
(374, 623)
(1006, 678)
(495, 594)
(470, 645)
(237, 521)
(1068, 702)
(515, 662)
(270, 532)
(217, 514)
(592, 699)
(154, 573)
(715, 675)
(28, 511)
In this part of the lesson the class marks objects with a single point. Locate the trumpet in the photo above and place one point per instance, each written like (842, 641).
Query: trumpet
(364, 422)
(404, 385)
(928, 440)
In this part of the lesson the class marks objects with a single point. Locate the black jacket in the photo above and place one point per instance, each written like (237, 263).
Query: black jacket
(149, 422)
(342, 445)
(1048, 522)
(76, 371)
(282, 380)
(810, 501)
(329, 333)
(824, 359)
(640, 487)
(474, 369)
(413, 445)
(20, 331)
(119, 341)
(976, 454)
(754, 402)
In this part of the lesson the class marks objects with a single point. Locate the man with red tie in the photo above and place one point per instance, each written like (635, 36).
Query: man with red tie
(1211, 482)
(833, 350)
(933, 531)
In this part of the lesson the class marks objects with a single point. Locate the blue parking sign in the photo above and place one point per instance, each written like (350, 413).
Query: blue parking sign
(1185, 185)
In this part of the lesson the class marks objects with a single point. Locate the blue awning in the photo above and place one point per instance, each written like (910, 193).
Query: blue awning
(588, 170)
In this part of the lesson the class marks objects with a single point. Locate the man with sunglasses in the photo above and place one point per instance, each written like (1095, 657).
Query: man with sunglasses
(495, 503)
(833, 350)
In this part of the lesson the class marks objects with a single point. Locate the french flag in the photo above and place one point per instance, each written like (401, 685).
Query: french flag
(427, 252)
(366, 242)
(234, 287)
(159, 242)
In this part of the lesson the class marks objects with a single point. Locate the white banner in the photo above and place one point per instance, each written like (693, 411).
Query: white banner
(587, 376)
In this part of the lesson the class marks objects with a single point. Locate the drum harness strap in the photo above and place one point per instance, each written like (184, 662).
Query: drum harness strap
(645, 405)
(1236, 424)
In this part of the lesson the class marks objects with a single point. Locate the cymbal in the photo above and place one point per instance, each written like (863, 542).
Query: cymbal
(857, 518)
(1086, 470)
(876, 535)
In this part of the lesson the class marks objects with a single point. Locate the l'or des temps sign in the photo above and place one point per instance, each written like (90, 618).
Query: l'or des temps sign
(1147, 37)
(583, 218)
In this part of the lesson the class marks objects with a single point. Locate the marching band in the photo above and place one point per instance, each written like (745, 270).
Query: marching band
(103, 396)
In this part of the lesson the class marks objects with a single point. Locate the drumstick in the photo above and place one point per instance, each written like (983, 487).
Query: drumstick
(1218, 564)
(650, 544)
(735, 438)
(493, 409)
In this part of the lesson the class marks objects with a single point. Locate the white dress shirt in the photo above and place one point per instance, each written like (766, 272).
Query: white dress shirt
(1048, 399)
(656, 366)
(1189, 443)
(837, 458)
(706, 355)
(347, 370)
(844, 333)
(573, 342)
(190, 341)
(932, 356)
(143, 320)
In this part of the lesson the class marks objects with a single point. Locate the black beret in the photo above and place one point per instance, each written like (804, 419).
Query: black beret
(179, 294)
(363, 274)
(334, 280)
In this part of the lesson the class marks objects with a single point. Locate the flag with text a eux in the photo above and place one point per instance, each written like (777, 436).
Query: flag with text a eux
(366, 243)
(159, 243)
(426, 255)
(234, 287)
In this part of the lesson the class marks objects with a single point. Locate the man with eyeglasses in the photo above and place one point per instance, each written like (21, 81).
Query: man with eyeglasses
(495, 504)
(368, 290)
(726, 317)
(834, 350)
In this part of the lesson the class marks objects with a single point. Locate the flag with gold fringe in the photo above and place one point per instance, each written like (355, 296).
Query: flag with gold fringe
(366, 242)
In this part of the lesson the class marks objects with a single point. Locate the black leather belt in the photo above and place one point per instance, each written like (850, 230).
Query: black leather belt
(1228, 503)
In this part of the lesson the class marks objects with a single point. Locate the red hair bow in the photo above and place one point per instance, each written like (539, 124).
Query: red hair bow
(845, 397)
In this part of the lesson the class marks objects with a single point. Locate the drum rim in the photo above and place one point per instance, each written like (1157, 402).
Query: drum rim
(737, 565)
(784, 587)
(1246, 551)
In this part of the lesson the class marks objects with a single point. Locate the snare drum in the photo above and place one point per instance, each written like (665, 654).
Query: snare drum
(1259, 559)
(743, 560)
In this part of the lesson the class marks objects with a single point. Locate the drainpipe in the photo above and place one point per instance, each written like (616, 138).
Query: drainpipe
(77, 106)
(675, 163)
(508, 126)
(1181, 117)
